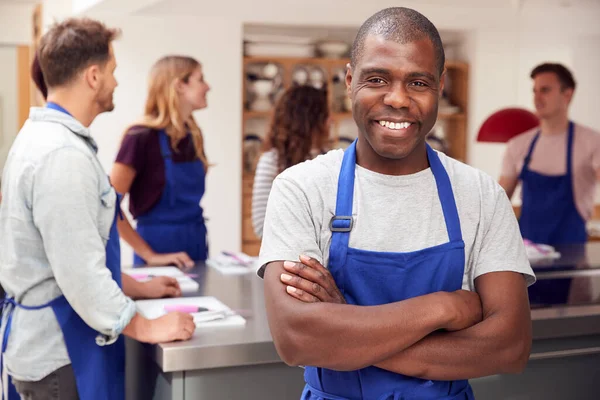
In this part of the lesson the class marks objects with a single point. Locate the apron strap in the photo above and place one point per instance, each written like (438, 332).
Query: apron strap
(165, 150)
(530, 151)
(570, 140)
(570, 137)
(446, 196)
(342, 222)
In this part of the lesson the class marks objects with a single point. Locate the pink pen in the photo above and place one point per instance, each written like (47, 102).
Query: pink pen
(236, 258)
(185, 308)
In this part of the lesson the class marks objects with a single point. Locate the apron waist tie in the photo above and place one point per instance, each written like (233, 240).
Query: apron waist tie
(8, 306)
(396, 395)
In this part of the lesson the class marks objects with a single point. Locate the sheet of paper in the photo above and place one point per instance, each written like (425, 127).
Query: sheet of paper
(229, 263)
(155, 308)
(187, 284)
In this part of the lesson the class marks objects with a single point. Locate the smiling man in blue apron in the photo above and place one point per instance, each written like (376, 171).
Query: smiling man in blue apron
(59, 247)
(557, 164)
(425, 285)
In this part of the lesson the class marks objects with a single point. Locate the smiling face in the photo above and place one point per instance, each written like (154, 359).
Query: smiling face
(395, 90)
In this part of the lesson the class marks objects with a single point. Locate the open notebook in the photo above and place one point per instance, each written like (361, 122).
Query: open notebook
(219, 315)
(233, 263)
(187, 284)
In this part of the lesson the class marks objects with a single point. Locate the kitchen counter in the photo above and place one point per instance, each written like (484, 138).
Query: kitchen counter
(241, 362)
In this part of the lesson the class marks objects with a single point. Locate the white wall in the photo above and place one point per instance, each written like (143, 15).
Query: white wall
(502, 47)
(501, 65)
(55, 11)
(8, 100)
(15, 23)
(136, 51)
(586, 104)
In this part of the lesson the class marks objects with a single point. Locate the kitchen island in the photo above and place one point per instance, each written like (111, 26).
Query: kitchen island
(242, 363)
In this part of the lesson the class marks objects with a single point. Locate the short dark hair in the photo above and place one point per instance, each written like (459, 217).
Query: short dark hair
(38, 77)
(565, 77)
(72, 45)
(402, 25)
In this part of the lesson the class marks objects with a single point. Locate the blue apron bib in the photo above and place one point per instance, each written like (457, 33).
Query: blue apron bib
(99, 370)
(549, 214)
(369, 278)
(176, 222)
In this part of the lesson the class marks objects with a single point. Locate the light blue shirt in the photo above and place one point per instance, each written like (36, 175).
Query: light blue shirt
(55, 218)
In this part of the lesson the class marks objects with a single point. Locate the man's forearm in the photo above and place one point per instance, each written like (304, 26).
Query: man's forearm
(487, 348)
(347, 337)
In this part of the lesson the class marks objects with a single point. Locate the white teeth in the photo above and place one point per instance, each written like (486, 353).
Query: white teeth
(395, 125)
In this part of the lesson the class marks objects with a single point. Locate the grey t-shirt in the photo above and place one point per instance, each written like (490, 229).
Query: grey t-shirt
(393, 214)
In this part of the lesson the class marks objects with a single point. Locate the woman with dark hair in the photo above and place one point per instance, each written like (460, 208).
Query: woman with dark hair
(299, 131)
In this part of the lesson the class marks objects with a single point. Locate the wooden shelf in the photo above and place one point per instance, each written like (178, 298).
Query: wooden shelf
(342, 115)
(257, 114)
(296, 60)
(450, 64)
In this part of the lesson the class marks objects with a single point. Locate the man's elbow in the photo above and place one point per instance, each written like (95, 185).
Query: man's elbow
(517, 355)
(292, 346)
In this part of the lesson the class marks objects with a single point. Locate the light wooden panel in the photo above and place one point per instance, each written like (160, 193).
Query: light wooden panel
(24, 83)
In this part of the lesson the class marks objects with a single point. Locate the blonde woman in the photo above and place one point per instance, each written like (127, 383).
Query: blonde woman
(162, 165)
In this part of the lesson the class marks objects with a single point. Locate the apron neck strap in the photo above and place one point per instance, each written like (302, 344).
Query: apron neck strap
(165, 150)
(530, 151)
(446, 196)
(342, 222)
(570, 136)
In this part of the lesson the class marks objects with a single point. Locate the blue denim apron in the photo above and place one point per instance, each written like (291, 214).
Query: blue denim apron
(99, 370)
(369, 278)
(176, 222)
(549, 214)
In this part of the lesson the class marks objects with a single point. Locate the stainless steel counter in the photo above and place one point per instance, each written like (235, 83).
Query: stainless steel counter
(220, 354)
(224, 347)
(252, 344)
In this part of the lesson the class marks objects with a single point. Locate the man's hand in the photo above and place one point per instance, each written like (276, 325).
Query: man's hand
(466, 308)
(161, 286)
(310, 282)
(182, 260)
(170, 327)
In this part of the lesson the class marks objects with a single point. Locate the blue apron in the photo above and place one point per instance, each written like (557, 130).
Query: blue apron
(176, 222)
(369, 278)
(99, 370)
(549, 214)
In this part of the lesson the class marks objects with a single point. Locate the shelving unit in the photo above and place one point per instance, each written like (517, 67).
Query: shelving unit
(342, 122)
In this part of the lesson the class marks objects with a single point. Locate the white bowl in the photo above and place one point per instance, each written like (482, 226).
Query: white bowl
(262, 87)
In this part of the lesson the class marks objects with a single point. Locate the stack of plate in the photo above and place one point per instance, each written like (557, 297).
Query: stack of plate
(256, 45)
